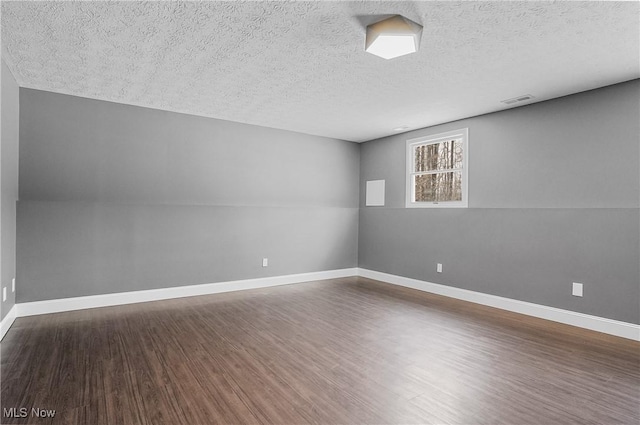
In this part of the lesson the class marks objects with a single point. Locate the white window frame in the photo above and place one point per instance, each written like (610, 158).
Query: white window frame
(437, 138)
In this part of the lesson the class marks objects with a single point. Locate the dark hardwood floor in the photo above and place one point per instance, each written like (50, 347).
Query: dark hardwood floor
(331, 352)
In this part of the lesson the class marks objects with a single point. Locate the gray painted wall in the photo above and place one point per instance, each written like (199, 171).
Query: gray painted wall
(9, 184)
(553, 199)
(118, 198)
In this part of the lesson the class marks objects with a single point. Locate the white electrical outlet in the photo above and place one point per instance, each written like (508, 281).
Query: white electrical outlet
(265, 262)
(439, 268)
(4, 293)
(577, 289)
(13, 285)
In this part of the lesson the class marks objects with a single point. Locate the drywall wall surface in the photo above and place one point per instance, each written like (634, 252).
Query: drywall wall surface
(90, 150)
(531, 255)
(89, 248)
(579, 151)
(553, 199)
(117, 197)
(9, 182)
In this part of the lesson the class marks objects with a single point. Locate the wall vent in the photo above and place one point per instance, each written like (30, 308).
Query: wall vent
(518, 99)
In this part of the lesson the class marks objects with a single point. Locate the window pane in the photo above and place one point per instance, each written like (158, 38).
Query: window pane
(438, 187)
(438, 156)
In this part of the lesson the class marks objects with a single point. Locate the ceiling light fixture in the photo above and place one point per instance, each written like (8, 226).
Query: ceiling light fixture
(402, 128)
(393, 37)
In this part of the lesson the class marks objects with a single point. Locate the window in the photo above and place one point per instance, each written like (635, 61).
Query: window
(437, 170)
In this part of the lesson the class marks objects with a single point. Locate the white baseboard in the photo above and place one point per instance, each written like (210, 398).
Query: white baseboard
(121, 298)
(8, 320)
(600, 324)
(595, 323)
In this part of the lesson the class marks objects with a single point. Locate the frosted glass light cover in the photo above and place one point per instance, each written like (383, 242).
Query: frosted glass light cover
(393, 37)
(392, 46)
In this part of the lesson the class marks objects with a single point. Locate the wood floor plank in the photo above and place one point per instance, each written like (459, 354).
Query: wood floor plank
(340, 351)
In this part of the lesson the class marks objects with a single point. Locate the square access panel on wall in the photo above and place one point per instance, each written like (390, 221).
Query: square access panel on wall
(375, 193)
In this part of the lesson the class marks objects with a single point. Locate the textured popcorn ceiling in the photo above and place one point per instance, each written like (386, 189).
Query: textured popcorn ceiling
(301, 66)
